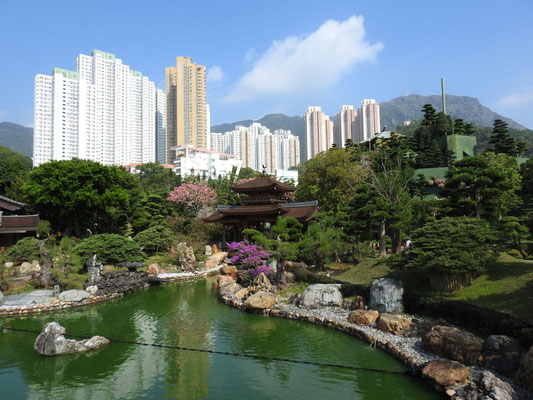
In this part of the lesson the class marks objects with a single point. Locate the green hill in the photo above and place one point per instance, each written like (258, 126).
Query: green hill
(17, 138)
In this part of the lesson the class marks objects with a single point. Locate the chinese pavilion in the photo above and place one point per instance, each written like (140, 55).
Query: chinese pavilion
(267, 199)
(13, 226)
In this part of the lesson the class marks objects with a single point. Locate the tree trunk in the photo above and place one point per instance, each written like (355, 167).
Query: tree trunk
(520, 248)
(396, 241)
(382, 241)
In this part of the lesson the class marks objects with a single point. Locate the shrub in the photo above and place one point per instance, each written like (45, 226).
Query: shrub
(109, 248)
(26, 249)
(451, 246)
(249, 260)
(155, 239)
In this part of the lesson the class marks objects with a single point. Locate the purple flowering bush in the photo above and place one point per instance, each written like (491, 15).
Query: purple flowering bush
(249, 260)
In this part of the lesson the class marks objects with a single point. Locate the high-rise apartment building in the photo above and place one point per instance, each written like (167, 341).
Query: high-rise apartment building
(258, 148)
(186, 106)
(104, 111)
(368, 120)
(161, 126)
(318, 131)
(345, 128)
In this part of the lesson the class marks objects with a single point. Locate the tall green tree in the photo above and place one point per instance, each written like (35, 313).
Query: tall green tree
(79, 195)
(330, 178)
(13, 167)
(501, 141)
(483, 187)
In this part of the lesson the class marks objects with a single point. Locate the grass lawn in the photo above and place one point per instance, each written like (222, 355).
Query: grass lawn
(507, 285)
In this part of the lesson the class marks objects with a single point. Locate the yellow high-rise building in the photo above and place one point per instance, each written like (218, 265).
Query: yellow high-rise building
(186, 108)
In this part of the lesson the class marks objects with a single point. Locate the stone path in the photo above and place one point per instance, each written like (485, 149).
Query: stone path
(28, 299)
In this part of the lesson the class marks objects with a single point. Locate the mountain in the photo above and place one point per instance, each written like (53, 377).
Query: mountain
(17, 137)
(271, 121)
(407, 108)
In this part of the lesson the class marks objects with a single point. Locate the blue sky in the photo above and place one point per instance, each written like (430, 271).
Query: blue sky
(281, 56)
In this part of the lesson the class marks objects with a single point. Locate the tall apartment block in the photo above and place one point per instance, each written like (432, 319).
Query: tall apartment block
(368, 120)
(186, 107)
(345, 128)
(161, 126)
(258, 148)
(104, 111)
(318, 131)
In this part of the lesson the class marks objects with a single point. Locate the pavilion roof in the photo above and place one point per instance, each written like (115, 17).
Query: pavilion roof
(262, 183)
(9, 204)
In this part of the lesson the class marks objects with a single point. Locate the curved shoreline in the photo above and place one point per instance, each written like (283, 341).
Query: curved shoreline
(405, 348)
(57, 305)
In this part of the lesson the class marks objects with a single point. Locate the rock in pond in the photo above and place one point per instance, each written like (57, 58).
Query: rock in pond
(502, 354)
(321, 295)
(229, 290)
(52, 342)
(445, 372)
(447, 341)
(386, 296)
(74, 295)
(260, 300)
(224, 280)
(363, 317)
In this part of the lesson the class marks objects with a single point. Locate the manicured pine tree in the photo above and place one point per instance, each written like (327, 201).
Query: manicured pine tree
(459, 126)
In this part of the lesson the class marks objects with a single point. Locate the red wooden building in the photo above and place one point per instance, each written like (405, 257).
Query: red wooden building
(267, 199)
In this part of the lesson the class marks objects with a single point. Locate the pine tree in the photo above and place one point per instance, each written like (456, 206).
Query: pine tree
(501, 140)
(459, 126)
(429, 115)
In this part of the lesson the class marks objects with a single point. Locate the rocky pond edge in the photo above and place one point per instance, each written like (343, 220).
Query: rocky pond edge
(57, 305)
(482, 382)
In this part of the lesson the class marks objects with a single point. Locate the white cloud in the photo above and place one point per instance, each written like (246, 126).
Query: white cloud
(516, 99)
(215, 74)
(308, 63)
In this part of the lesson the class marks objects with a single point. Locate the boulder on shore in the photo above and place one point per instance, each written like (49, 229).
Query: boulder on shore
(502, 354)
(446, 372)
(393, 323)
(74, 295)
(260, 300)
(263, 282)
(27, 268)
(52, 342)
(321, 295)
(453, 343)
(230, 270)
(363, 317)
(153, 270)
(386, 296)
(524, 376)
(215, 259)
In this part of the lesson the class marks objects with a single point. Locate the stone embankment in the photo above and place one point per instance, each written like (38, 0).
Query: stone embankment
(434, 352)
(110, 286)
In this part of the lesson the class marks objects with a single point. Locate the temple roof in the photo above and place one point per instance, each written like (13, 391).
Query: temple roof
(303, 212)
(9, 204)
(262, 183)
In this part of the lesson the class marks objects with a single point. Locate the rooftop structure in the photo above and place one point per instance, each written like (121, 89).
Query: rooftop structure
(267, 199)
(190, 160)
(13, 226)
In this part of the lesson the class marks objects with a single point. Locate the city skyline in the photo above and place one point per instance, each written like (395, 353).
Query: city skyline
(333, 54)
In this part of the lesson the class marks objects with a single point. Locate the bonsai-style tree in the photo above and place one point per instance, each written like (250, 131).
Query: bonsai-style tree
(323, 241)
(461, 246)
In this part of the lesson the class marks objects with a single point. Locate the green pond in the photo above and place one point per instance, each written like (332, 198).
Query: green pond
(190, 315)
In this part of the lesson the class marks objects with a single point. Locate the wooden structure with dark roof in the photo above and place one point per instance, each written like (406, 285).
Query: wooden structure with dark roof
(13, 226)
(266, 201)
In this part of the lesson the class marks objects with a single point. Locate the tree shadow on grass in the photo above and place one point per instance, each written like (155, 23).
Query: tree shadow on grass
(511, 267)
(518, 302)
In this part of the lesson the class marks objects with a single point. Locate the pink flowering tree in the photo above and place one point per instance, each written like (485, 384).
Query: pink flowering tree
(194, 195)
